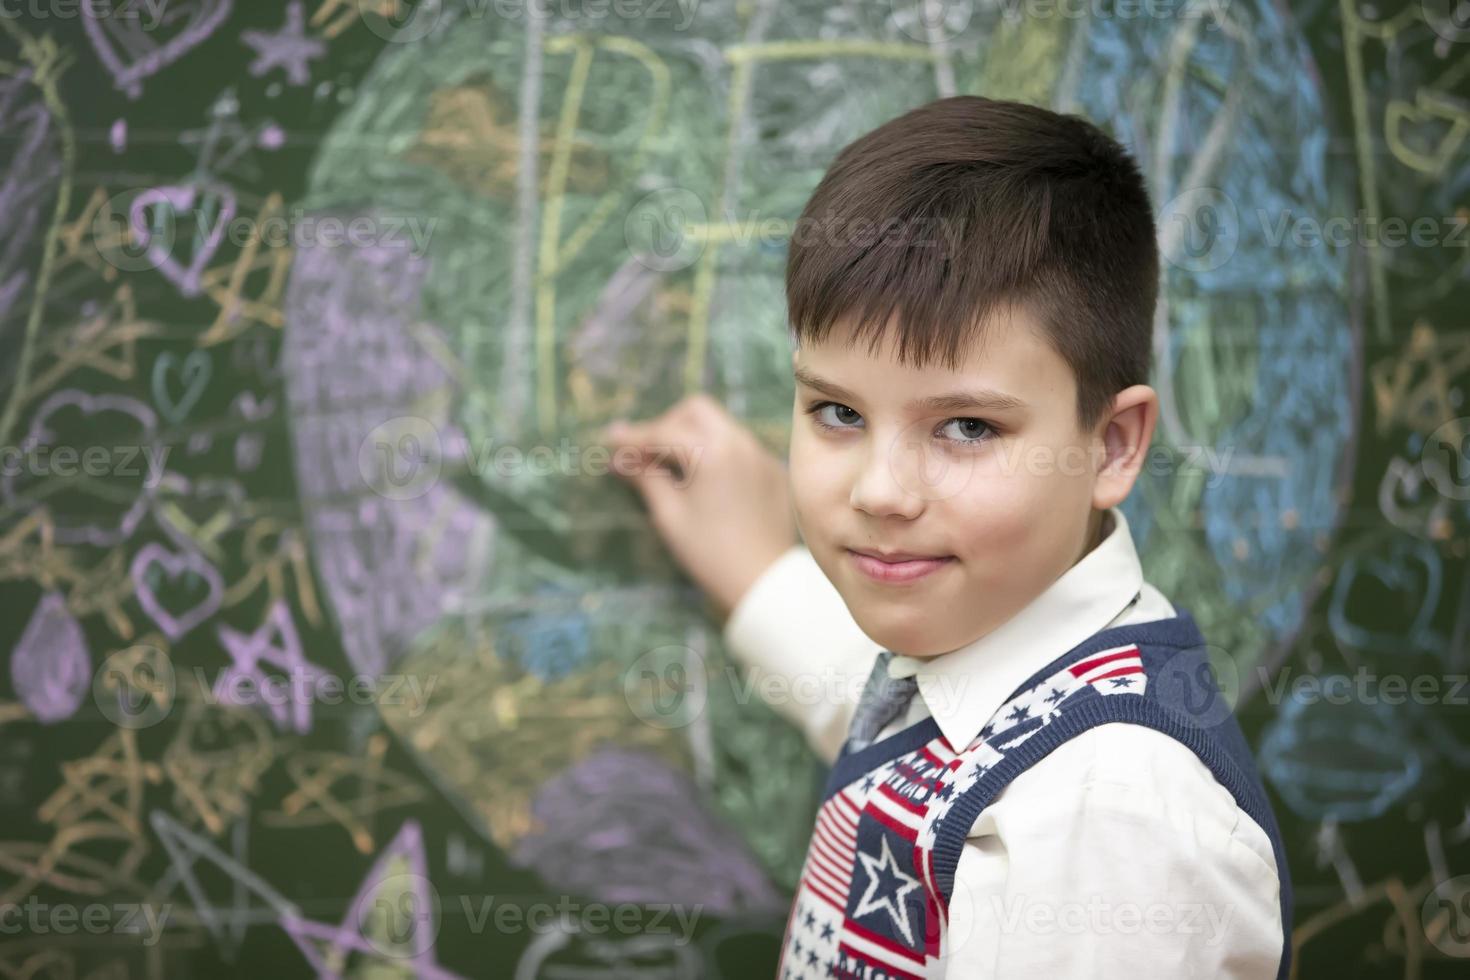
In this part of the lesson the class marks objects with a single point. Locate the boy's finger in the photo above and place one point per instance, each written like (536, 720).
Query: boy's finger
(659, 490)
(662, 431)
(623, 432)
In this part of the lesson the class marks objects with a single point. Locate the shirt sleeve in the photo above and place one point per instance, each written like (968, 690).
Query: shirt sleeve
(1118, 856)
(802, 650)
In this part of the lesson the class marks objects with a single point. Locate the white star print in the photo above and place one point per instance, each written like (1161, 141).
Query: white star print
(893, 904)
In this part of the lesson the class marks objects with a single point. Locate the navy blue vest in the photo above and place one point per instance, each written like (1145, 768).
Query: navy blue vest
(874, 892)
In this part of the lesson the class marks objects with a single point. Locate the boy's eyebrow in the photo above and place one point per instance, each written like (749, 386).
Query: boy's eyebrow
(985, 398)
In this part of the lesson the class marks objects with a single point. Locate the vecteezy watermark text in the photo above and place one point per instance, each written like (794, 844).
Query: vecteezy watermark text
(404, 458)
(593, 918)
(38, 918)
(1099, 917)
(45, 460)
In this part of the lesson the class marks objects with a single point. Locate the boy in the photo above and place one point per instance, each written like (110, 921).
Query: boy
(1040, 778)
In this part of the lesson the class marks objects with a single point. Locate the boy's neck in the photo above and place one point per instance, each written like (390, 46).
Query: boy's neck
(1095, 529)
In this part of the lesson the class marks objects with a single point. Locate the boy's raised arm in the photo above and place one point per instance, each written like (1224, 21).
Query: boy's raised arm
(722, 505)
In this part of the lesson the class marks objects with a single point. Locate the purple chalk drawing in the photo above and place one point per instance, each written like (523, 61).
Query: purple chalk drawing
(117, 136)
(624, 827)
(177, 199)
(404, 930)
(51, 667)
(253, 409)
(136, 456)
(277, 643)
(351, 362)
(28, 182)
(132, 51)
(175, 565)
(248, 450)
(289, 48)
(612, 328)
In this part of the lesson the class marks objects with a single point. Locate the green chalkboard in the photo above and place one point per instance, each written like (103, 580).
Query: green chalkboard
(330, 649)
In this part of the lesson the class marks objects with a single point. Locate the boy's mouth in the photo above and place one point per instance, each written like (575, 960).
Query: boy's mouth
(896, 566)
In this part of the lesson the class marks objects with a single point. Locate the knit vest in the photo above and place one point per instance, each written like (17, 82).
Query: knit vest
(873, 899)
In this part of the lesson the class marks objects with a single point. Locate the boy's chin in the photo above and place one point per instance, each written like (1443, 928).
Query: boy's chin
(910, 635)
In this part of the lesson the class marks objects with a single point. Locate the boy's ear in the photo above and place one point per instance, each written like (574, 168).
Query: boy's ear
(1124, 437)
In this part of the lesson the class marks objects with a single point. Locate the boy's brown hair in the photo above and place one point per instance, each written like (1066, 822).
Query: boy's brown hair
(966, 206)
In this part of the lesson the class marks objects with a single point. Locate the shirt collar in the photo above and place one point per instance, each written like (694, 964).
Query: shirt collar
(964, 687)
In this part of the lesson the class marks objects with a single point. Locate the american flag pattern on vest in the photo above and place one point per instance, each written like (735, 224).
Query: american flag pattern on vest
(869, 903)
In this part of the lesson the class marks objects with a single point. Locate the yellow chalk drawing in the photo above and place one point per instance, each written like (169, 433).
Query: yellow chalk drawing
(1413, 389)
(98, 808)
(552, 253)
(216, 757)
(317, 774)
(225, 283)
(1427, 105)
(45, 63)
(497, 730)
(269, 565)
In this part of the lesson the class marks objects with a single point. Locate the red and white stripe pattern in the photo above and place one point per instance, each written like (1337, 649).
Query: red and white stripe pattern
(833, 849)
(1115, 671)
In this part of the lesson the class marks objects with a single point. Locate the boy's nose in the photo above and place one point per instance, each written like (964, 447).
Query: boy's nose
(887, 480)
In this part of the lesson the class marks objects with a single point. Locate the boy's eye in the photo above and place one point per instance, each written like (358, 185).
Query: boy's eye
(841, 415)
(963, 431)
(969, 430)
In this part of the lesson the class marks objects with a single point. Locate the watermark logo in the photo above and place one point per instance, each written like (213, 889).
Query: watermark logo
(402, 458)
(1445, 459)
(1446, 916)
(928, 21)
(135, 688)
(925, 471)
(665, 230)
(398, 21)
(1199, 230)
(400, 917)
(1450, 19)
(667, 687)
(1204, 688)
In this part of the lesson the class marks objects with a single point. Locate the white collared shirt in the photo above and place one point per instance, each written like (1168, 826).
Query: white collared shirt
(1117, 855)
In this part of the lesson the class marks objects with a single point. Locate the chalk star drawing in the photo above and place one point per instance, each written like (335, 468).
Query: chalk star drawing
(289, 48)
(225, 283)
(317, 773)
(100, 799)
(227, 924)
(1413, 389)
(275, 642)
(103, 327)
(216, 759)
(397, 882)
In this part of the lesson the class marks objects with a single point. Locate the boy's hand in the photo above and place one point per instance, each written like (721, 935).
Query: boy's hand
(728, 516)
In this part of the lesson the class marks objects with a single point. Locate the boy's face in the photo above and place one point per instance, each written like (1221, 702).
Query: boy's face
(999, 495)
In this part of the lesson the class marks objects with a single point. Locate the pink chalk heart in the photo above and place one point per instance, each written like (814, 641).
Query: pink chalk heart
(175, 566)
(134, 48)
(173, 203)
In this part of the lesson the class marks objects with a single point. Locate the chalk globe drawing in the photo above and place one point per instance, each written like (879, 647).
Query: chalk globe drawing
(442, 386)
